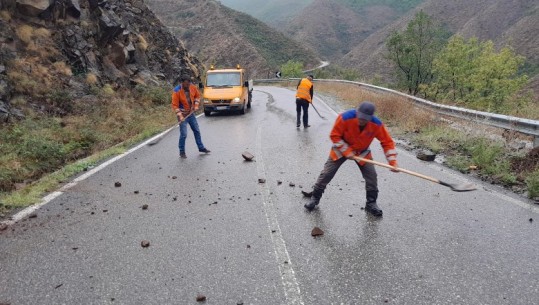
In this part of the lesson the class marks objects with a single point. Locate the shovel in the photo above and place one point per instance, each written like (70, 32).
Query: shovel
(161, 137)
(466, 187)
(322, 117)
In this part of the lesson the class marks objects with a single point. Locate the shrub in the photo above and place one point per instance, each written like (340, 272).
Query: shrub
(25, 33)
(532, 181)
(5, 15)
(91, 79)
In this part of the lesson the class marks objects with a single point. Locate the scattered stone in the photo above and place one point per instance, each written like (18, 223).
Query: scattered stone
(201, 298)
(92, 213)
(136, 192)
(363, 208)
(74, 248)
(3, 227)
(426, 155)
(350, 215)
(247, 156)
(273, 231)
(531, 219)
(386, 301)
(248, 246)
(145, 244)
(58, 286)
(34, 215)
(317, 232)
(291, 184)
(117, 184)
(472, 167)
(239, 303)
(261, 180)
(174, 177)
(307, 194)
(144, 206)
(279, 182)
(105, 211)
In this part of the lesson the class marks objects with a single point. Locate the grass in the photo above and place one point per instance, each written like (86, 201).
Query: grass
(490, 158)
(41, 152)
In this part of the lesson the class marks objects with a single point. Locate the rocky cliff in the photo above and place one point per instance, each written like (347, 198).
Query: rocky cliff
(50, 49)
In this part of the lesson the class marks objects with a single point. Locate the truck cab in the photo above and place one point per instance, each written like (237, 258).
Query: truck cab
(226, 90)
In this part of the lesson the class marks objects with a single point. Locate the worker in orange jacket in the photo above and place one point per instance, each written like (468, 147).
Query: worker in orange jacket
(352, 134)
(304, 97)
(185, 101)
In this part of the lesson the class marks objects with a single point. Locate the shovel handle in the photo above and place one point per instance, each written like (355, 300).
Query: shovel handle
(397, 168)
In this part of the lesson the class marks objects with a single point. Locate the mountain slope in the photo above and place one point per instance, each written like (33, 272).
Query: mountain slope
(506, 22)
(274, 12)
(222, 36)
(335, 27)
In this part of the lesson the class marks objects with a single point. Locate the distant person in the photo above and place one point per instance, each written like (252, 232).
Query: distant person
(304, 96)
(185, 101)
(352, 134)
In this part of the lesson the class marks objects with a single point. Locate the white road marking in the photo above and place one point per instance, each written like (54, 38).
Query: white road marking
(288, 276)
(31, 209)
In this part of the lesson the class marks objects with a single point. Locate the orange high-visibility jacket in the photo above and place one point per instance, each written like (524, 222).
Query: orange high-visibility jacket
(348, 140)
(305, 90)
(179, 102)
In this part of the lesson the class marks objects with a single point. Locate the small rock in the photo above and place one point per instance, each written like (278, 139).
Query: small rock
(174, 177)
(248, 246)
(317, 232)
(350, 215)
(201, 298)
(144, 206)
(105, 211)
(145, 244)
(58, 286)
(117, 184)
(273, 231)
(261, 180)
(136, 192)
(531, 219)
(279, 182)
(239, 303)
(247, 156)
(34, 215)
(3, 227)
(386, 301)
(426, 155)
(291, 184)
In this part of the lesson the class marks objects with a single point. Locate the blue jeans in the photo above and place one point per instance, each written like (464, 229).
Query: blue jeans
(192, 121)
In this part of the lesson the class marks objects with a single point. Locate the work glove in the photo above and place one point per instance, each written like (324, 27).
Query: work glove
(394, 164)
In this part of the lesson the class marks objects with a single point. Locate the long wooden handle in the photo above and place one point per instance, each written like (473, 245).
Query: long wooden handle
(397, 168)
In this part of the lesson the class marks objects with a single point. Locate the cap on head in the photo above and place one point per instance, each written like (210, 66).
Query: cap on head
(311, 76)
(185, 78)
(366, 110)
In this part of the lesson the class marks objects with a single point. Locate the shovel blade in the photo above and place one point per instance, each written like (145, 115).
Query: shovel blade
(465, 187)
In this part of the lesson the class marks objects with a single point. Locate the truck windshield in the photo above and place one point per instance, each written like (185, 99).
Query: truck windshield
(225, 79)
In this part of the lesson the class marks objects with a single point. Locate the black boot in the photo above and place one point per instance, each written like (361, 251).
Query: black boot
(371, 205)
(314, 201)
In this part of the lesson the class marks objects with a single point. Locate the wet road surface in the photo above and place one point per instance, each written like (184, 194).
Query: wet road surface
(215, 230)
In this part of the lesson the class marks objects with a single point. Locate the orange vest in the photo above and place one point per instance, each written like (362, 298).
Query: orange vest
(304, 90)
(179, 101)
(349, 140)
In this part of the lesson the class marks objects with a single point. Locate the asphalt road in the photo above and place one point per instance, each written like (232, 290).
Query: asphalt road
(215, 230)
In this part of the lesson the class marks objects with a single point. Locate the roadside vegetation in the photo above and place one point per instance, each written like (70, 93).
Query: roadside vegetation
(470, 73)
(490, 154)
(103, 124)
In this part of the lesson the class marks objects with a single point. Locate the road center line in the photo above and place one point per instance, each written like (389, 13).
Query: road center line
(288, 276)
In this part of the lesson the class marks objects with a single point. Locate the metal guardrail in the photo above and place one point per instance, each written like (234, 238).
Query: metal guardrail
(524, 126)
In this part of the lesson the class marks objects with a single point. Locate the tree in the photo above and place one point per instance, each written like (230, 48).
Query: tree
(292, 69)
(414, 50)
(473, 73)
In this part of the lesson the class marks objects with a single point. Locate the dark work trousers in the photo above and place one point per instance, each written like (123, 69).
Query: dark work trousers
(330, 169)
(301, 103)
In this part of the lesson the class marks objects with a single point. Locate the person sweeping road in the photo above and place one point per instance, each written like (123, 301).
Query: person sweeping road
(185, 101)
(304, 97)
(352, 134)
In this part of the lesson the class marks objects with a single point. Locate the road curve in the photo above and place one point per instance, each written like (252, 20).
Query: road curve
(215, 229)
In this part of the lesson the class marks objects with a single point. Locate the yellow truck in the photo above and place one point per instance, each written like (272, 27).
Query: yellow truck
(227, 90)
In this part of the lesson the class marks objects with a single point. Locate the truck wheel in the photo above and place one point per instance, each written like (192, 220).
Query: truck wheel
(249, 100)
(242, 110)
(207, 112)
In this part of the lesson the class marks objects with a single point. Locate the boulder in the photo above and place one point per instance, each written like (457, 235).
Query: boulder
(33, 8)
(426, 155)
(73, 8)
(110, 26)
